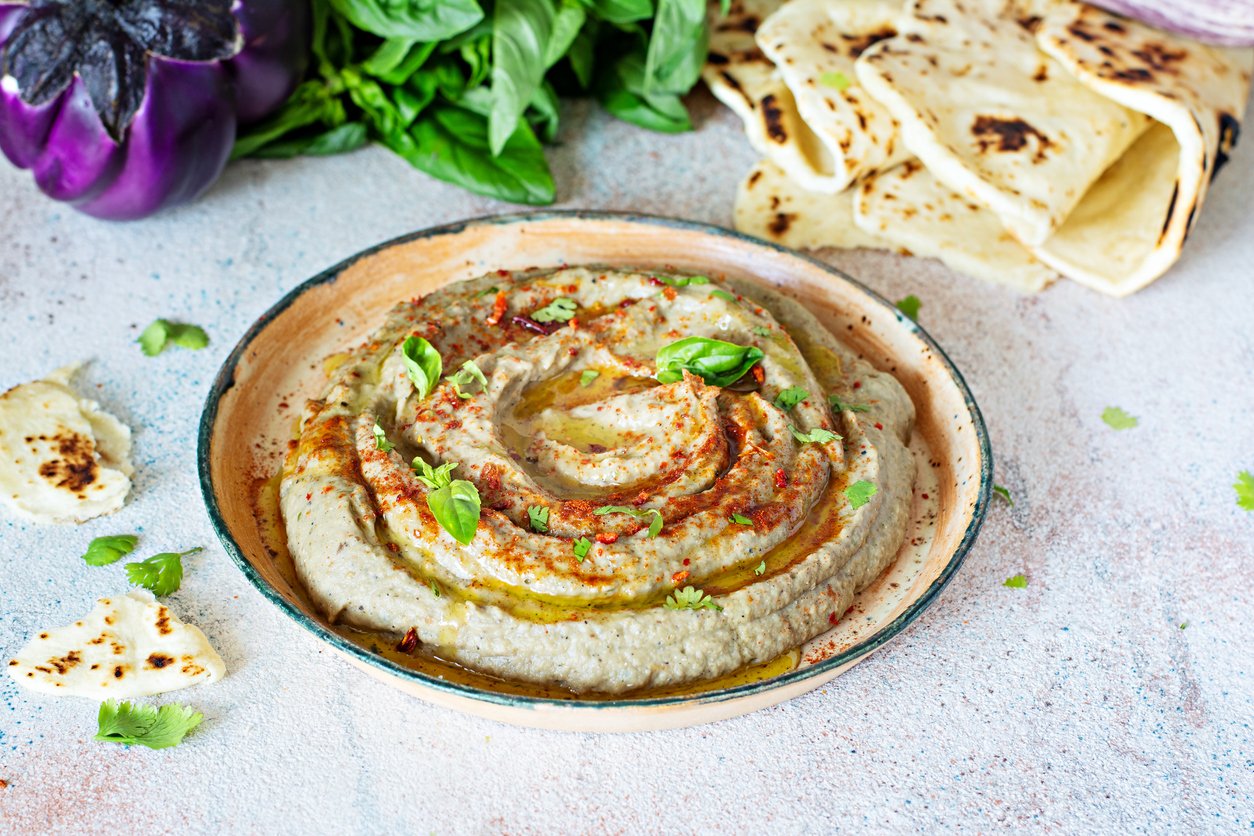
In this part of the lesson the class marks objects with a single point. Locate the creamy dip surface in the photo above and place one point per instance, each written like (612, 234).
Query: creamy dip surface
(632, 533)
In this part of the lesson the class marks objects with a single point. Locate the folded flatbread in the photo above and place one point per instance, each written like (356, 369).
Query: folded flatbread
(128, 646)
(771, 205)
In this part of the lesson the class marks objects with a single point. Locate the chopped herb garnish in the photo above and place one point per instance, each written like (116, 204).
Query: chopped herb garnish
(655, 527)
(453, 502)
(538, 516)
(487, 291)
(836, 80)
(910, 306)
(135, 723)
(818, 435)
(105, 550)
(581, 547)
(690, 598)
(588, 375)
(1244, 486)
(683, 281)
(160, 574)
(790, 397)
(724, 295)
(741, 519)
(762, 331)
(560, 309)
(1117, 419)
(162, 333)
(716, 362)
(423, 364)
(435, 590)
(1016, 582)
(760, 569)
(381, 439)
(1004, 494)
(840, 406)
(469, 373)
(1184, 624)
(860, 493)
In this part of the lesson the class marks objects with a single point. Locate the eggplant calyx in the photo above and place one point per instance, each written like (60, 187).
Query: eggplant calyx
(107, 44)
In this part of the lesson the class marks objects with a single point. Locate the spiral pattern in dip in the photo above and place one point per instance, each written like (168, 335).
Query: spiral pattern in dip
(519, 603)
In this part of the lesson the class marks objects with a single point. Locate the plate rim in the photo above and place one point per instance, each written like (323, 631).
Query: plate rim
(224, 380)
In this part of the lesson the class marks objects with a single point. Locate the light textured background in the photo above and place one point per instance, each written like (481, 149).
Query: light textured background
(1075, 704)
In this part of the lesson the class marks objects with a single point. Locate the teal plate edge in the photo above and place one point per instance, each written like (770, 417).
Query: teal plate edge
(225, 379)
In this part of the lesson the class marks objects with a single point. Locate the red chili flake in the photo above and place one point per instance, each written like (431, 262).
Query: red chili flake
(573, 351)
(857, 384)
(499, 306)
(395, 549)
(283, 405)
(831, 619)
(925, 496)
(453, 425)
(878, 425)
(670, 293)
(656, 282)
(686, 561)
(328, 488)
(607, 537)
(759, 375)
(308, 497)
(410, 643)
(679, 577)
(503, 273)
(781, 479)
(626, 303)
(574, 322)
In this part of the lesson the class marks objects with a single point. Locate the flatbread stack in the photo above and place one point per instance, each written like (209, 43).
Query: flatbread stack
(1015, 140)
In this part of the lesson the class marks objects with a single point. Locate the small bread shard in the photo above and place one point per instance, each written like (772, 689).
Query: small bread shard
(771, 205)
(915, 211)
(128, 646)
(814, 44)
(991, 116)
(62, 458)
(1131, 225)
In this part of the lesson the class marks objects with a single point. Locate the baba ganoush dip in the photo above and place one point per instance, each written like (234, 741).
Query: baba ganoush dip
(598, 479)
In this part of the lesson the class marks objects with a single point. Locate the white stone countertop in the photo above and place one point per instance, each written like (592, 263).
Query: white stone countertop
(1077, 704)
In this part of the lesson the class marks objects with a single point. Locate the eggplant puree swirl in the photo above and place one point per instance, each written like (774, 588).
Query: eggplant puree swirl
(774, 509)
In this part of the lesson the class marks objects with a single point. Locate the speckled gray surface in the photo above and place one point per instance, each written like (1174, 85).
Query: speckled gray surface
(1077, 703)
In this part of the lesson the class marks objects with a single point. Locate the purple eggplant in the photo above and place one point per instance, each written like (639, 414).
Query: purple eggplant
(124, 107)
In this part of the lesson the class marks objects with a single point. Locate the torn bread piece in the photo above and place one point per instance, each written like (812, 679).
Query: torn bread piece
(62, 458)
(128, 646)
(771, 205)
(813, 44)
(1131, 225)
(991, 116)
(913, 210)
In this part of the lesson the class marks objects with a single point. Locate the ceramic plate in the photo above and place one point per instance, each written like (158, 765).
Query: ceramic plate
(282, 360)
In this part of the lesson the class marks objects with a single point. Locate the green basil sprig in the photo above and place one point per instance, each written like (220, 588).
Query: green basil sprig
(716, 362)
(423, 364)
(453, 502)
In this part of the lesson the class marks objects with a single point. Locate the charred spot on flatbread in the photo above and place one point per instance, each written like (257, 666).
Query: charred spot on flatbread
(1229, 133)
(1009, 135)
(772, 118)
(780, 223)
(75, 469)
(157, 661)
(855, 45)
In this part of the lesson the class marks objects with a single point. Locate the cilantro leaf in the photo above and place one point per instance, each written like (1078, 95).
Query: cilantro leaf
(716, 362)
(690, 598)
(581, 547)
(1244, 486)
(381, 440)
(160, 574)
(423, 364)
(860, 493)
(1117, 419)
(741, 519)
(910, 306)
(560, 309)
(760, 569)
(724, 295)
(1004, 494)
(790, 397)
(818, 435)
(105, 550)
(538, 516)
(761, 331)
(467, 374)
(840, 406)
(588, 376)
(161, 333)
(836, 80)
(683, 281)
(135, 723)
(655, 527)
(1016, 582)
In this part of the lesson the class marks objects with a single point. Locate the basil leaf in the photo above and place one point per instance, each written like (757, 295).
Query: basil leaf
(423, 364)
(467, 374)
(790, 397)
(620, 89)
(161, 333)
(456, 508)
(566, 25)
(543, 113)
(347, 137)
(716, 362)
(677, 47)
(520, 35)
(421, 20)
(397, 59)
(478, 56)
(685, 281)
(724, 295)
(451, 144)
(381, 439)
(105, 550)
(581, 54)
(312, 103)
(622, 11)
